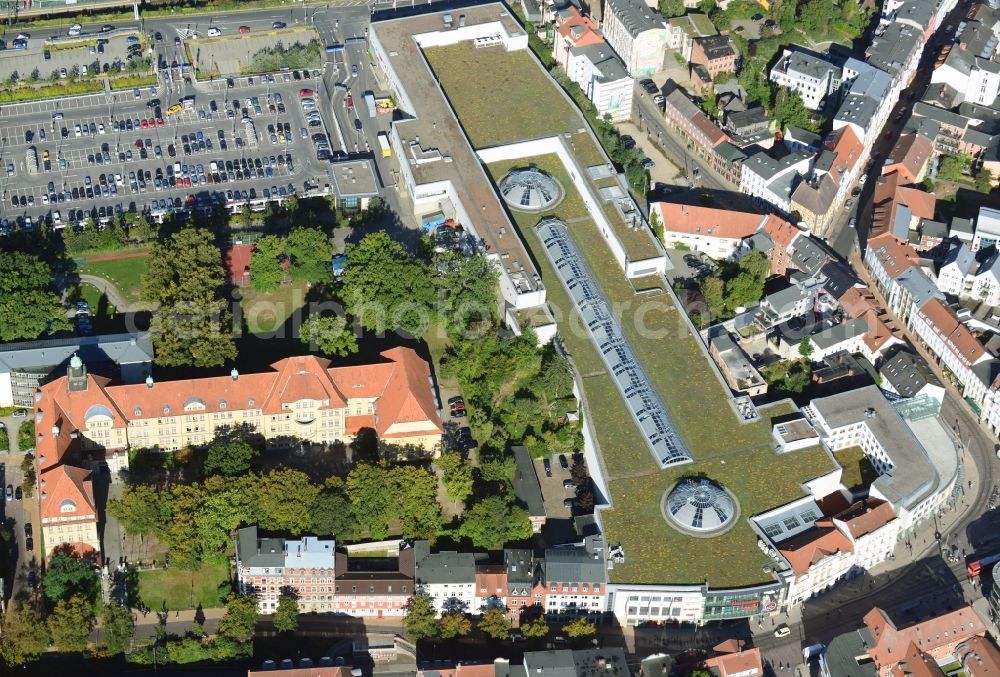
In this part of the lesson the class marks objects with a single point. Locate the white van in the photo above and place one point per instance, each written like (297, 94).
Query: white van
(782, 631)
(214, 32)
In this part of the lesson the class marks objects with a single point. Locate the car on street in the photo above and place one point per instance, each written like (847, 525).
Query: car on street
(214, 32)
(278, 24)
(782, 631)
(853, 222)
(244, 29)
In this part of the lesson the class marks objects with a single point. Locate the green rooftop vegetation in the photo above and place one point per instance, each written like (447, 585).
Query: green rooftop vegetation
(859, 472)
(739, 456)
(487, 112)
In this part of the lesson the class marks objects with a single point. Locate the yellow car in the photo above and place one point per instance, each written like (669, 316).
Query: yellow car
(174, 110)
(45, 155)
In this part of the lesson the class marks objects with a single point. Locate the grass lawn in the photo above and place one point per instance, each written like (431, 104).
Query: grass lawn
(265, 312)
(104, 317)
(124, 273)
(859, 472)
(485, 112)
(176, 589)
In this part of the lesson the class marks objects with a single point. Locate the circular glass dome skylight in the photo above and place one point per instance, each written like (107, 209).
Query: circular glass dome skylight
(530, 190)
(700, 507)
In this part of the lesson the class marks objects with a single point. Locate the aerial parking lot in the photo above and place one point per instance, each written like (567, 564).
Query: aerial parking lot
(258, 140)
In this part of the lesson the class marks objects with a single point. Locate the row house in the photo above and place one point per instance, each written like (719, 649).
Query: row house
(715, 54)
(718, 233)
(975, 79)
(374, 587)
(955, 347)
(819, 558)
(773, 181)
(964, 276)
(834, 171)
(525, 581)
(706, 138)
(872, 528)
(576, 578)
(270, 567)
(909, 158)
(447, 577)
(899, 209)
(890, 263)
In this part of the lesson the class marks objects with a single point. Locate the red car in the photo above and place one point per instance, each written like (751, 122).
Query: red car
(151, 122)
(159, 122)
(138, 143)
(350, 101)
(144, 124)
(244, 29)
(306, 93)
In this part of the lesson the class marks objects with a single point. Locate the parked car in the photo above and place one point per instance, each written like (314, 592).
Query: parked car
(547, 464)
(20, 413)
(568, 484)
(563, 462)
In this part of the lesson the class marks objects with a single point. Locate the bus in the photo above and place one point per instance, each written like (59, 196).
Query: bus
(976, 566)
(383, 143)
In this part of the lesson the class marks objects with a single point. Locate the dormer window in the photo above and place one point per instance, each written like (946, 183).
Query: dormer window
(250, 402)
(67, 506)
(166, 408)
(222, 404)
(137, 411)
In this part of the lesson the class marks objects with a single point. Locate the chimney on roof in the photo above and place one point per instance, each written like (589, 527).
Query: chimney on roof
(234, 374)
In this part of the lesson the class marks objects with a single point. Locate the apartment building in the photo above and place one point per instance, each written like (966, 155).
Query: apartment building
(576, 578)
(812, 77)
(603, 78)
(375, 587)
(819, 557)
(774, 181)
(872, 528)
(525, 581)
(448, 577)
(706, 138)
(987, 233)
(268, 567)
(573, 29)
(956, 348)
(719, 233)
(909, 158)
(637, 34)
(715, 53)
(682, 31)
(976, 80)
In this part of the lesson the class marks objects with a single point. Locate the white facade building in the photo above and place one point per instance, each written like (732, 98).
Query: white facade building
(813, 78)
(603, 78)
(987, 229)
(637, 34)
(448, 578)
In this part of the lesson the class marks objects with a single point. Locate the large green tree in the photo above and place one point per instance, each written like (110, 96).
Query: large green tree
(117, 628)
(192, 326)
(421, 618)
(331, 513)
(493, 522)
(386, 287)
(267, 263)
(333, 335)
(467, 286)
(69, 575)
(29, 304)
(284, 499)
(25, 634)
(454, 624)
(240, 619)
(286, 616)
(457, 475)
(579, 628)
(537, 627)
(495, 624)
(141, 509)
(310, 252)
(230, 457)
(790, 111)
(70, 623)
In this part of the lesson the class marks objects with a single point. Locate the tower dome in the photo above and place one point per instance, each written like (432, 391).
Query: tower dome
(700, 507)
(530, 190)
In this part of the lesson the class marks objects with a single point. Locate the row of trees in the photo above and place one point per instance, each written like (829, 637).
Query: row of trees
(65, 614)
(422, 623)
(121, 231)
(303, 255)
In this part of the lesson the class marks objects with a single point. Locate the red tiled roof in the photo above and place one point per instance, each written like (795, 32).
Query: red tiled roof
(847, 146)
(867, 516)
(980, 657)
(709, 129)
(66, 483)
(733, 659)
(707, 221)
(894, 256)
(891, 643)
(302, 672)
(946, 323)
(590, 35)
(909, 156)
(814, 545)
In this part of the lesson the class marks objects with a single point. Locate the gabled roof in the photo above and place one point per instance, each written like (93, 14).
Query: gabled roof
(866, 516)
(909, 155)
(892, 254)
(813, 546)
(962, 341)
(892, 643)
(733, 657)
(961, 257)
(848, 149)
(67, 491)
(707, 221)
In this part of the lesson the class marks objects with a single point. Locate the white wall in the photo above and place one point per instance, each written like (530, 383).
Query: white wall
(6, 390)
(555, 144)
